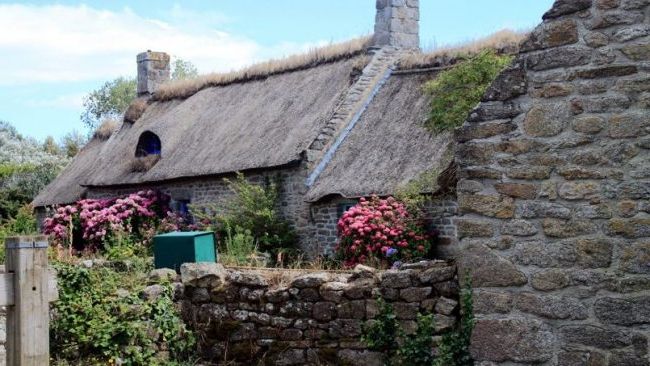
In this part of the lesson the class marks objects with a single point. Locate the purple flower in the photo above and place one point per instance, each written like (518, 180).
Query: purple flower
(396, 265)
(390, 252)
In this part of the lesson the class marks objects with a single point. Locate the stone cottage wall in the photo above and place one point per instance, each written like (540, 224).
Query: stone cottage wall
(213, 190)
(554, 193)
(313, 318)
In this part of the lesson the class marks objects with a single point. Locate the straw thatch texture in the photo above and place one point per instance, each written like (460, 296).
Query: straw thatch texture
(505, 41)
(389, 145)
(256, 124)
(184, 88)
(65, 188)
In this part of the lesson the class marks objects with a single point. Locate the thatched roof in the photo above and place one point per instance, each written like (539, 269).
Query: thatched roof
(66, 188)
(241, 126)
(388, 146)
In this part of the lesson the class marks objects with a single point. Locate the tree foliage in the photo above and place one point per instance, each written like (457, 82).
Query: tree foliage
(108, 101)
(182, 69)
(456, 91)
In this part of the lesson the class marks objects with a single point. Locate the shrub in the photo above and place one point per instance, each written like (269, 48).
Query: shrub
(252, 208)
(100, 319)
(456, 91)
(381, 334)
(380, 229)
(454, 347)
(94, 221)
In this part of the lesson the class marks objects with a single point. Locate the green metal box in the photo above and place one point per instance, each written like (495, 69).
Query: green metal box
(173, 249)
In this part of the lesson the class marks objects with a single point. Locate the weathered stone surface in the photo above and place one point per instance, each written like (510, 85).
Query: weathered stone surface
(573, 173)
(635, 257)
(467, 228)
(518, 340)
(396, 279)
(564, 7)
(549, 280)
(596, 39)
(437, 274)
(333, 291)
(162, 275)
(624, 358)
(247, 279)
(594, 252)
(545, 120)
(578, 190)
(549, 255)
(488, 269)
(623, 311)
(605, 72)
(324, 311)
(489, 205)
(552, 34)
(595, 336)
(529, 172)
(203, 274)
(509, 84)
(581, 358)
(277, 295)
(565, 56)
(612, 18)
(446, 306)
(352, 357)
(628, 125)
(491, 111)
(469, 132)
(557, 228)
(415, 294)
(636, 227)
(152, 292)
(552, 307)
(608, 4)
(352, 309)
(310, 280)
(517, 190)
(537, 209)
(633, 32)
(359, 289)
(406, 311)
(490, 302)
(518, 228)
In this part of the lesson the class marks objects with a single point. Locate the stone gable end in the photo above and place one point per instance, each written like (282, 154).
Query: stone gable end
(557, 221)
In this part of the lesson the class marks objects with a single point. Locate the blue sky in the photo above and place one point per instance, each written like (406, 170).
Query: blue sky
(54, 52)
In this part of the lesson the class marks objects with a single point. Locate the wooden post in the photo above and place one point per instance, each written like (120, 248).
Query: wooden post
(28, 341)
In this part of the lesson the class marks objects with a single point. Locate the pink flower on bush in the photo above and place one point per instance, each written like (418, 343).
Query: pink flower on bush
(382, 229)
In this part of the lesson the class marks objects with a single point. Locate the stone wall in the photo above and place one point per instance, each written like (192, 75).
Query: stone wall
(554, 190)
(309, 318)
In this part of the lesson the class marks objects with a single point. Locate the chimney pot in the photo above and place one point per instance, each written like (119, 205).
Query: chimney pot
(153, 70)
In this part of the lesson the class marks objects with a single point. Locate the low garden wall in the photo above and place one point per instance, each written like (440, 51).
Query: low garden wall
(306, 318)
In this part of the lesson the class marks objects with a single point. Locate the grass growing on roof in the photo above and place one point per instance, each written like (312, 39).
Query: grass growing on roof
(456, 91)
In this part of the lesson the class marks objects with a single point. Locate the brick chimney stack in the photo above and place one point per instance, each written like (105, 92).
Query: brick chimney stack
(153, 70)
(397, 24)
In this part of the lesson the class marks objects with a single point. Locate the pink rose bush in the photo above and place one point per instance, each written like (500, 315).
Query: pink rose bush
(95, 220)
(380, 230)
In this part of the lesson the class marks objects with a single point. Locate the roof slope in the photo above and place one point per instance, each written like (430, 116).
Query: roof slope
(388, 146)
(65, 188)
(254, 124)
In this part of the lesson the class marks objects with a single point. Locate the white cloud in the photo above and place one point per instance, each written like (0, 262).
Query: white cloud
(57, 43)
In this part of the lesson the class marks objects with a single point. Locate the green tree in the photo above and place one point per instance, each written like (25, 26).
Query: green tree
(183, 70)
(72, 142)
(108, 101)
(50, 146)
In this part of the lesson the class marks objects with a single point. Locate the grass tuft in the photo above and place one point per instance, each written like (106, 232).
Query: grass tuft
(106, 129)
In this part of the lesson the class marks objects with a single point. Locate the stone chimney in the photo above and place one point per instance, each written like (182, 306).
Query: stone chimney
(153, 70)
(397, 24)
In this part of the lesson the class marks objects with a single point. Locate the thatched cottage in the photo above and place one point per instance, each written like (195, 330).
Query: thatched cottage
(336, 124)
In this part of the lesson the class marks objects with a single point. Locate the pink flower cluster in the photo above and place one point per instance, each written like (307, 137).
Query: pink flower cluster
(97, 218)
(381, 229)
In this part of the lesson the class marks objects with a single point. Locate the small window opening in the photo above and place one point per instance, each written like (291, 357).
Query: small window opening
(149, 144)
(342, 207)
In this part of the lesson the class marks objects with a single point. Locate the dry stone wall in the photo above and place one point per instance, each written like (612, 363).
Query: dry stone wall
(554, 193)
(313, 318)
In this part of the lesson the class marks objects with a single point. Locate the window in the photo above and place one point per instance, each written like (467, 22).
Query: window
(149, 144)
(180, 206)
(342, 207)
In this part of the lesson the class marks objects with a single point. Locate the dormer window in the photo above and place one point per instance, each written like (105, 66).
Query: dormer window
(149, 144)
